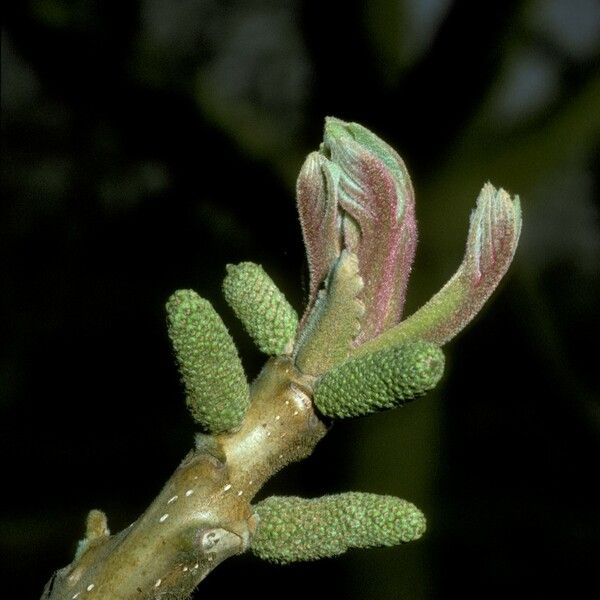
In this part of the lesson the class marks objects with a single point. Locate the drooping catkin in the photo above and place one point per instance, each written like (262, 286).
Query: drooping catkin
(217, 392)
(292, 529)
(380, 380)
(264, 311)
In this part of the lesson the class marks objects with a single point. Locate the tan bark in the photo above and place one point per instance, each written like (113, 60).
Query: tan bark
(203, 515)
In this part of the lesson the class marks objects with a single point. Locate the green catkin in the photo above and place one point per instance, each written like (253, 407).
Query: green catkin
(380, 380)
(216, 387)
(292, 529)
(264, 311)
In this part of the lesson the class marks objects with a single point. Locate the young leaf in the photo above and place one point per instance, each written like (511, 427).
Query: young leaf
(376, 195)
(494, 231)
(316, 192)
(334, 321)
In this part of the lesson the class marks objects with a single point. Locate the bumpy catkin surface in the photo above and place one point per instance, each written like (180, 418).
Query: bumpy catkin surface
(380, 380)
(294, 529)
(215, 383)
(266, 315)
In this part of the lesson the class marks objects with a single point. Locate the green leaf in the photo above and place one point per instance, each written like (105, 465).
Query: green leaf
(334, 321)
(493, 236)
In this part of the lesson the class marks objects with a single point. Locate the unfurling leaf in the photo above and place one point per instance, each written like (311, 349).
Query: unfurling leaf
(316, 193)
(266, 315)
(493, 236)
(216, 387)
(384, 379)
(376, 196)
(292, 529)
(334, 321)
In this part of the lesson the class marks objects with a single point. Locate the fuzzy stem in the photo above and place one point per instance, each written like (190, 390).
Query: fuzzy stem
(203, 515)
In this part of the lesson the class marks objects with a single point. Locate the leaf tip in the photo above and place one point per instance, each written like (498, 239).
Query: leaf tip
(494, 230)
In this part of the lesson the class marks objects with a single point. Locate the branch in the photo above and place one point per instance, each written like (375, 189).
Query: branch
(350, 354)
(203, 514)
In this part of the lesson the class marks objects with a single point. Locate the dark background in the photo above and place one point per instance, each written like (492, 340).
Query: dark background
(147, 144)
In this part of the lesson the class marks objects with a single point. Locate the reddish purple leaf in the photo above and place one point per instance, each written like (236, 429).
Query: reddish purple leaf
(493, 236)
(316, 192)
(380, 226)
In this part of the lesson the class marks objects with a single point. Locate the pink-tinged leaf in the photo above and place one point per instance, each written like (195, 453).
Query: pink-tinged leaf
(493, 236)
(316, 192)
(376, 195)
